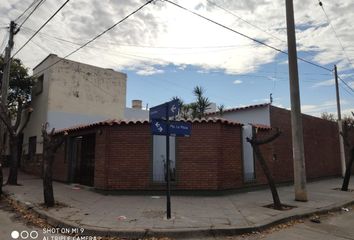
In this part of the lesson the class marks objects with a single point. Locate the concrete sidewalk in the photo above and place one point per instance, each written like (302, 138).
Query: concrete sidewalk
(139, 216)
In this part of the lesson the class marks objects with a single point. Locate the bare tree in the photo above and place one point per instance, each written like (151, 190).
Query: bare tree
(1, 179)
(221, 110)
(328, 116)
(350, 149)
(51, 144)
(15, 129)
(255, 143)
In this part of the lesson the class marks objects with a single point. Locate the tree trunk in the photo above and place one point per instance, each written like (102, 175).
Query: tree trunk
(271, 183)
(12, 179)
(1, 178)
(348, 171)
(48, 159)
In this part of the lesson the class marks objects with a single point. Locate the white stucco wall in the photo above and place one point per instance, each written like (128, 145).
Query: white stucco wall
(136, 114)
(84, 89)
(75, 93)
(40, 107)
(257, 115)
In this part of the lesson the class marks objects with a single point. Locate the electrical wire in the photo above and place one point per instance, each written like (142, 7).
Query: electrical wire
(346, 84)
(146, 46)
(246, 36)
(249, 23)
(347, 91)
(335, 33)
(49, 19)
(34, 9)
(34, 2)
(97, 36)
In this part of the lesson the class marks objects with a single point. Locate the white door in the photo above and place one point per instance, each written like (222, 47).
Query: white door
(159, 157)
(248, 159)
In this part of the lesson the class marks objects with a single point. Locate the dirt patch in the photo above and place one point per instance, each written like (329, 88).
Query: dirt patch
(285, 207)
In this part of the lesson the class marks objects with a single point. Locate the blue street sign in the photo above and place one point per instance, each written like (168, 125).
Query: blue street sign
(178, 129)
(159, 112)
(158, 127)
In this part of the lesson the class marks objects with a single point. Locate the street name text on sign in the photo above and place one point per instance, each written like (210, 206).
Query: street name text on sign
(178, 129)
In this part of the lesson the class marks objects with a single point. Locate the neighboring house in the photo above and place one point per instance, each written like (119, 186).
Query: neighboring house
(123, 155)
(136, 112)
(248, 115)
(70, 93)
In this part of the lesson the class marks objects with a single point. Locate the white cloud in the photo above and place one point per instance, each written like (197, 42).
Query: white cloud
(149, 70)
(237, 82)
(164, 34)
(325, 83)
(327, 106)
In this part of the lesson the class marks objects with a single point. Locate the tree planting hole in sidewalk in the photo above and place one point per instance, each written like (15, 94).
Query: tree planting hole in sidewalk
(285, 207)
(57, 205)
(339, 189)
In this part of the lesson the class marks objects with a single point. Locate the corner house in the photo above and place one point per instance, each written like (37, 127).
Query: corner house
(123, 155)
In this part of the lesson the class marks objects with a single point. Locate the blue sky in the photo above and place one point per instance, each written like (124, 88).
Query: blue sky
(166, 51)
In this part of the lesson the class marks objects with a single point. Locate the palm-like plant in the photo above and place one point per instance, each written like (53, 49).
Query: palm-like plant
(221, 109)
(201, 105)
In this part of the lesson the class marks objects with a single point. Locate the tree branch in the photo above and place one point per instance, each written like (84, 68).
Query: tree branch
(30, 110)
(19, 114)
(345, 139)
(255, 141)
(5, 119)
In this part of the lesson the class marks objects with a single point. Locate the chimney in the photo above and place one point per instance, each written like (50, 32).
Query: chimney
(137, 104)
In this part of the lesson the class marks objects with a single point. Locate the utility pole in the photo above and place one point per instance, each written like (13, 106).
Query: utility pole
(296, 119)
(5, 79)
(168, 177)
(340, 124)
(7, 61)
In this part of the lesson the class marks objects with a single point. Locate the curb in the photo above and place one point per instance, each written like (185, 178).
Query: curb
(174, 233)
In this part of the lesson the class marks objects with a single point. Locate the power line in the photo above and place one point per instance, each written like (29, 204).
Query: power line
(249, 23)
(147, 46)
(40, 28)
(335, 33)
(346, 84)
(25, 10)
(34, 9)
(246, 36)
(97, 36)
(347, 91)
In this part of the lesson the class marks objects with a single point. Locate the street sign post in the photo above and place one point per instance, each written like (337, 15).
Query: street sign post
(176, 128)
(161, 125)
(160, 111)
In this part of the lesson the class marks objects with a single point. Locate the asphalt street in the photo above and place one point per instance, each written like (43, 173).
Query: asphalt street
(12, 226)
(335, 226)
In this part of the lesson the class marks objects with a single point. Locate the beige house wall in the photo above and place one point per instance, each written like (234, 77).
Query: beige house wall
(74, 93)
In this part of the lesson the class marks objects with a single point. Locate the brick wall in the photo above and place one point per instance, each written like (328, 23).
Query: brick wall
(60, 164)
(231, 169)
(321, 144)
(128, 156)
(209, 159)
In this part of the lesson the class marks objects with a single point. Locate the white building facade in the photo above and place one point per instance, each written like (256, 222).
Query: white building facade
(70, 93)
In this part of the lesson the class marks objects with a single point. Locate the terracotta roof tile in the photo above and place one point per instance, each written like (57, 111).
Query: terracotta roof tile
(261, 126)
(111, 122)
(241, 108)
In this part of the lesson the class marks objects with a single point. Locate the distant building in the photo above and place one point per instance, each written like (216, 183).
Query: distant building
(71, 93)
(136, 112)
